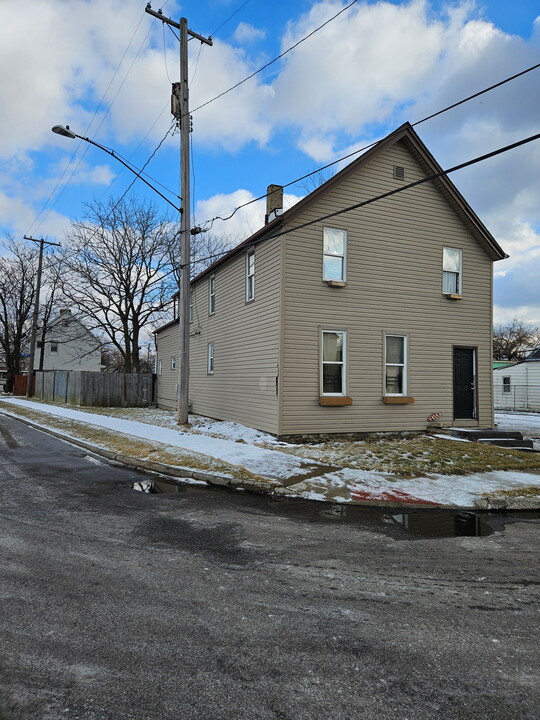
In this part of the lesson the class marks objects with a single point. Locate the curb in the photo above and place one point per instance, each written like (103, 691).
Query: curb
(176, 471)
(486, 503)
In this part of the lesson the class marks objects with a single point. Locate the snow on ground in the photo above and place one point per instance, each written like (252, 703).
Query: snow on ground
(267, 463)
(527, 423)
(342, 486)
(350, 485)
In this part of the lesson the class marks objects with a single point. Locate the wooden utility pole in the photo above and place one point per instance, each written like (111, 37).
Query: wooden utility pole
(31, 371)
(180, 110)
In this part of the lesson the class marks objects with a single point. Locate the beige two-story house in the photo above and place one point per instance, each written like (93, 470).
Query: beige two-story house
(347, 316)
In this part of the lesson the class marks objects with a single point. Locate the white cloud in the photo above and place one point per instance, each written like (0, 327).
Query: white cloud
(246, 33)
(245, 221)
(527, 313)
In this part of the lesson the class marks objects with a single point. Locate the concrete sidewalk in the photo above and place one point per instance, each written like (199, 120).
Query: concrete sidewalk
(278, 472)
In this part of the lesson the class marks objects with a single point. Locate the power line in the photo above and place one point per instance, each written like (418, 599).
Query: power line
(435, 176)
(88, 128)
(229, 18)
(367, 147)
(271, 62)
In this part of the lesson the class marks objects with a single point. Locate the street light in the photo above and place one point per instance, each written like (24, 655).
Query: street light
(67, 132)
(183, 319)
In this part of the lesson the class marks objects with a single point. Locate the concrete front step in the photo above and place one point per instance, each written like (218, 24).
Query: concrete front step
(522, 444)
(500, 438)
(474, 434)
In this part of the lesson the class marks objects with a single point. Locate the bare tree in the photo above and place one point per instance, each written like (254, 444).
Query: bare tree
(18, 271)
(206, 248)
(120, 269)
(514, 340)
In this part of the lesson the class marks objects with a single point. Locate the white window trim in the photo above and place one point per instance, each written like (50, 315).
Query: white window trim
(343, 392)
(212, 295)
(460, 273)
(250, 276)
(54, 347)
(191, 305)
(160, 367)
(404, 365)
(344, 256)
(210, 354)
(173, 362)
(507, 387)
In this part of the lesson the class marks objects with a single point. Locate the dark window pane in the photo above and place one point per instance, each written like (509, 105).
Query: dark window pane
(332, 378)
(394, 380)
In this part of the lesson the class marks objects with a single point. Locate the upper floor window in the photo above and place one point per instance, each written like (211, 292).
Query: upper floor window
(333, 371)
(395, 380)
(173, 363)
(190, 306)
(54, 347)
(452, 271)
(250, 275)
(211, 294)
(334, 254)
(160, 367)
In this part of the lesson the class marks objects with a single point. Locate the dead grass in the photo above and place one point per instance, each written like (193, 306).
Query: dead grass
(409, 457)
(131, 446)
(530, 491)
(413, 457)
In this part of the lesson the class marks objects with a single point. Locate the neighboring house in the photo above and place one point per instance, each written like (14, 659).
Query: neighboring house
(370, 320)
(503, 363)
(517, 386)
(69, 345)
(3, 371)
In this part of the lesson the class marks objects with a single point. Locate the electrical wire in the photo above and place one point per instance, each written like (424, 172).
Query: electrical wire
(271, 62)
(367, 147)
(356, 206)
(173, 124)
(51, 195)
(229, 18)
(165, 54)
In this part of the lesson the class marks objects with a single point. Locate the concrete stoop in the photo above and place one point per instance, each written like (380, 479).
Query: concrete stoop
(509, 439)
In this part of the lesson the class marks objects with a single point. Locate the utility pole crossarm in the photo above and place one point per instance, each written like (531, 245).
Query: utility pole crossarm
(169, 21)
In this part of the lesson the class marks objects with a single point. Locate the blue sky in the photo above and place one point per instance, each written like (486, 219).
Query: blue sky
(105, 69)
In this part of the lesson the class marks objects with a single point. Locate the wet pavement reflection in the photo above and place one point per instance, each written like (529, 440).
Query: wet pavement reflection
(436, 523)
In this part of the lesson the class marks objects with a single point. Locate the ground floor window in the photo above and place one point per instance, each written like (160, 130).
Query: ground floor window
(210, 359)
(507, 384)
(333, 362)
(395, 379)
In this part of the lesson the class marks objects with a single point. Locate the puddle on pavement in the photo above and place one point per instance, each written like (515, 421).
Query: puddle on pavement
(434, 524)
(463, 524)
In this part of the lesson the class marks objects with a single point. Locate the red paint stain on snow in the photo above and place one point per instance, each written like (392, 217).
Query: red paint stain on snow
(395, 496)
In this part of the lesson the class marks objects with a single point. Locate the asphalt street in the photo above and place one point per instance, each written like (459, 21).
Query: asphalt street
(213, 605)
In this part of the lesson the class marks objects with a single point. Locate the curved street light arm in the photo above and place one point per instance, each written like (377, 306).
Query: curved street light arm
(67, 132)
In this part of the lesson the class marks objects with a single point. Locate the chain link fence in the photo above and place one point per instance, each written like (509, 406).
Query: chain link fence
(514, 396)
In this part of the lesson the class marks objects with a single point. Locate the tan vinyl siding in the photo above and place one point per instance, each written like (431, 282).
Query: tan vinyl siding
(394, 285)
(246, 342)
(168, 343)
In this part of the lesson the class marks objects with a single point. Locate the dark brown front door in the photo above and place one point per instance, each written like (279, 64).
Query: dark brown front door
(464, 383)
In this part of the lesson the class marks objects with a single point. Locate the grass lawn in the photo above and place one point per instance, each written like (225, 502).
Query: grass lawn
(413, 457)
(409, 457)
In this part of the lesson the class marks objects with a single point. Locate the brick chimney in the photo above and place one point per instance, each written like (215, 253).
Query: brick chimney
(274, 202)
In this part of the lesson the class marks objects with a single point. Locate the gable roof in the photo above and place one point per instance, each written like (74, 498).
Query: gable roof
(408, 135)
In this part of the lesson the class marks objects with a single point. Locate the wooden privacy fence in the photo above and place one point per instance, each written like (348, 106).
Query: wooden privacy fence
(82, 387)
